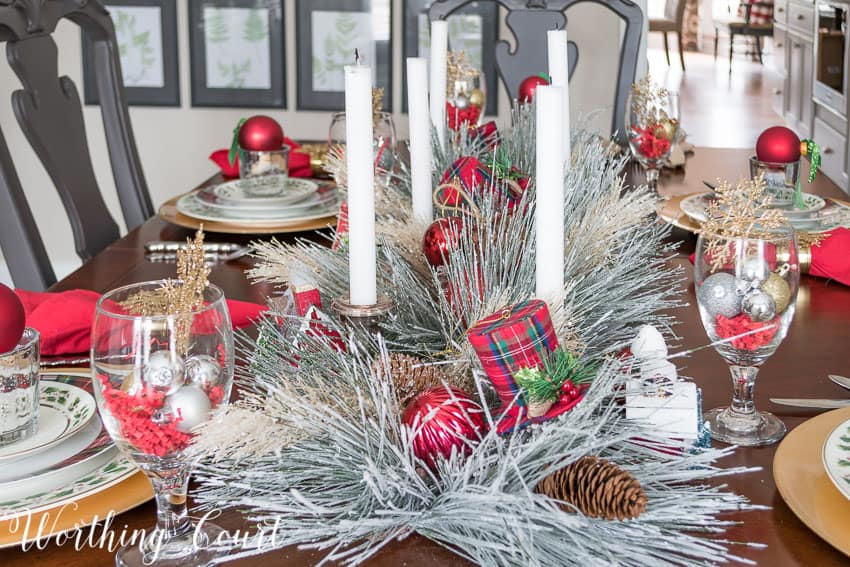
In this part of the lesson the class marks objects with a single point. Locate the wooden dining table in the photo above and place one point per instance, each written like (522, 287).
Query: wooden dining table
(817, 344)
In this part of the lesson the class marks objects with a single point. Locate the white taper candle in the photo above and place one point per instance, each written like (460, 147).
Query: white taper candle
(360, 163)
(439, 54)
(559, 76)
(420, 138)
(549, 183)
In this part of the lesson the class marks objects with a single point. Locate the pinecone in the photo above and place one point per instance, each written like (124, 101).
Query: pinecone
(410, 375)
(598, 488)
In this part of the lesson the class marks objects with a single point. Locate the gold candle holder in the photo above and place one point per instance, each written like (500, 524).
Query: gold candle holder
(368, 317)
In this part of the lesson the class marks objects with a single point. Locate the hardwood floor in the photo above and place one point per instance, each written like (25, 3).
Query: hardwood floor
(718, 109)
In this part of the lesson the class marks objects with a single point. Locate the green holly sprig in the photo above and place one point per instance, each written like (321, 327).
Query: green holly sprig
(545, 384)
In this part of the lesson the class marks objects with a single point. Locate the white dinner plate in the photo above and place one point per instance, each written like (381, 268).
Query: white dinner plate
(90, 440)
(265, 190)
(836, 458)
(63, 410)
(264, 211)
(189, 206)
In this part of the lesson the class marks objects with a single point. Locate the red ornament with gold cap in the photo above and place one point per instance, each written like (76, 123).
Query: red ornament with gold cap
(258, 133)
(780, 145)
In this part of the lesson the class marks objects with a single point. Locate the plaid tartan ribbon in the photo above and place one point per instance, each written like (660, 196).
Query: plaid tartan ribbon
(518, 337)
(469, 174)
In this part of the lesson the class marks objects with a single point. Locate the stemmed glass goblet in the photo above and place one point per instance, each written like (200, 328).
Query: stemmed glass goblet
(156, 378)
(746, 290)
(652, 125)
(383, 142)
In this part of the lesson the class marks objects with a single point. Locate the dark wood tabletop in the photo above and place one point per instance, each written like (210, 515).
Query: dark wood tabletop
(816, 345)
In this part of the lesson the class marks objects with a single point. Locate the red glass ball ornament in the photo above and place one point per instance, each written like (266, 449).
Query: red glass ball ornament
(779, 145)
(529, 85)
(13, 317)
(443, 421)
(261, 134)
(441, 237)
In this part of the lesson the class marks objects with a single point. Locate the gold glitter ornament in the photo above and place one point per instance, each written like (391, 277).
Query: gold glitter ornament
(476, 97)
(669, 126)
(777, 288)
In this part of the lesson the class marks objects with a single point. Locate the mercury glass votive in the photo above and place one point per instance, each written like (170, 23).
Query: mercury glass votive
(259, 163)
(776, 175)
(19, 374)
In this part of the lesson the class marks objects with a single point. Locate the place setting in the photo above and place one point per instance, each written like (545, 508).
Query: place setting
(778, 162)
(54, 448)
(264, 198)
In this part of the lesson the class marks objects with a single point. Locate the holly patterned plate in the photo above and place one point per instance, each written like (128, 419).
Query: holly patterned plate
(63, 411)
(112, 472)
(836, 458)
(265, 190)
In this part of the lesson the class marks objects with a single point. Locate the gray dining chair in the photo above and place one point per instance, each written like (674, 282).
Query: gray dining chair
(529, 20)
(49, 112)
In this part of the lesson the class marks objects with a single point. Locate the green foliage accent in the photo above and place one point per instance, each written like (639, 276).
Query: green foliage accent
(563, 366)
(337, 48)
(234, 72)
(234, 142)
(129, 41)
(544, 385)
(537, 386)
(216, 27)
(255, 29)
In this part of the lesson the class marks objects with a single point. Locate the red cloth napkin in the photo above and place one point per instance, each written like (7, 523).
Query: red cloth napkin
(831, 258)
(65, 319)
(299, 162)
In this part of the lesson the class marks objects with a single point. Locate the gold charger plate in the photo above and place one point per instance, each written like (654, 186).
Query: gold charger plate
(804, 485)
(168, 212)
(119, 498)
(671, 211)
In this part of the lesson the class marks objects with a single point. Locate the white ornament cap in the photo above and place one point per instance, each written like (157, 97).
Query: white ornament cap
(649, 344)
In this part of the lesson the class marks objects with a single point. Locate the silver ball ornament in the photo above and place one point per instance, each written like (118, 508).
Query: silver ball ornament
(190, 406)
(163, 371)
(754, 269)
(461, 101)
(203, 370)
(759, 306)
(718, 295)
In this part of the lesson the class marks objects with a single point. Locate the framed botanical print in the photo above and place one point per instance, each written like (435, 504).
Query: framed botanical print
(328, 32)
(237, 53)
(473, 29)
(146, 31)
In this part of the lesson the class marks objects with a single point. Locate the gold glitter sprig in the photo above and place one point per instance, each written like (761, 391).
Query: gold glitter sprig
(458, 69)
(648, 101)
(742, 211)
(377, 104)
(181, 297)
